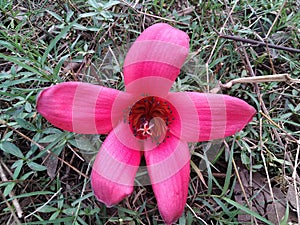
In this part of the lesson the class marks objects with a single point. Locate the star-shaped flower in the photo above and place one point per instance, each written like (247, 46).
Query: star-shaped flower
(145, 120)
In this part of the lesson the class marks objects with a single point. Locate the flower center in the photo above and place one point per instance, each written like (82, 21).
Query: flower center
(151, 117)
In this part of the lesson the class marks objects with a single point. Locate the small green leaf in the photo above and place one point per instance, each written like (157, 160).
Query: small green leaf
(18, 168)
(47, 209)
(89, 14)
(110, 4)
(17, 163)
(52, 130)
(70, 211)
(11, 148)
(8, 189)
(245, 159)
(297, 108)
(95, 4)
(284, 220)
(6, 44)
(55, 15)
(36, 167)
(182, 220)
(28, 107)
(49, 138)
(79, 27)
(286, 116)
(26, 175)
(25, 124)
(54, 215)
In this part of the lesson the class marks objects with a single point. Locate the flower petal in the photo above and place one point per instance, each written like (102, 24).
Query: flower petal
(114, 170)
(218, 116)
(78, 107)
(168, 166)
(159, 51)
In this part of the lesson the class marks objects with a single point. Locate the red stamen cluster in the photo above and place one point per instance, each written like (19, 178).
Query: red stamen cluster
(151, 117)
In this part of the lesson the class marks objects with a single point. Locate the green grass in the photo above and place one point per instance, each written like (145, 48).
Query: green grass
(45, 174)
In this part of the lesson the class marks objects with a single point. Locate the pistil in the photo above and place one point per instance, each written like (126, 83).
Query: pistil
(146, 129)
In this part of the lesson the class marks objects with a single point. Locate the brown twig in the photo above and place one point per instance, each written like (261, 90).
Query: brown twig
(14, 201)
(261, 79)
(18, 222)
(46, 203)
(281, 129)
(276, 18)
(259, 43)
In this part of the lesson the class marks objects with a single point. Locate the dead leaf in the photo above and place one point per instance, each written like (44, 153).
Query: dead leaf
(259, 197)
(291, 197)
(51, 165)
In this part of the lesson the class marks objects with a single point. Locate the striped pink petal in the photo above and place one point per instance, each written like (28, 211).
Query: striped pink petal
(114, 171)
(78, 107)
(168, 166)
(211, 116)
(159, 51)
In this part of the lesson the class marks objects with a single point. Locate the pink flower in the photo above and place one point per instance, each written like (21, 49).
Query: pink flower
(146, 120)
